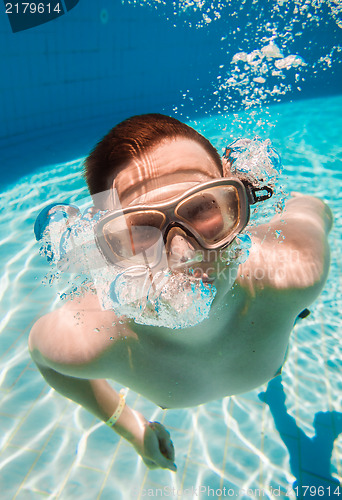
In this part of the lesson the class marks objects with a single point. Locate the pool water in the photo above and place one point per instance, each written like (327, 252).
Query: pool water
(51, 448)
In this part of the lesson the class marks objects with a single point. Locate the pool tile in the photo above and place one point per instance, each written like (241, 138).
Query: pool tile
(19, 463)
(278, 452)
(101, 445)
(14, 372)
(188, 475)
(8, 426)
(58, 454)
(80, 418)
(28, 494)
(248, 421)
(7, 341)
(177, 419)
(27, 389)
(125, 459)
(211, 484)
(39, 423)
(112, 491)
(23, 318)
(82, 479)
(241, 464)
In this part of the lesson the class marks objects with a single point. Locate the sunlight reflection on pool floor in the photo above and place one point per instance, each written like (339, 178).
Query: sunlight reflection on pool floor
(52, 448)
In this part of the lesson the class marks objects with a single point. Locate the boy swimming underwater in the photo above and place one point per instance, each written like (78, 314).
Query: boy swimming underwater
(181, 209)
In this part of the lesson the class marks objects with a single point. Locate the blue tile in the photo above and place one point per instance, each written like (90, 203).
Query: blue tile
(19, 462)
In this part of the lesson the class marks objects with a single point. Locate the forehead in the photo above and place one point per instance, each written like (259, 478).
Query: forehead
(171, 162)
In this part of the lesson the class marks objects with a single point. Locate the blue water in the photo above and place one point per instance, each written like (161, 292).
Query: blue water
(51, 448)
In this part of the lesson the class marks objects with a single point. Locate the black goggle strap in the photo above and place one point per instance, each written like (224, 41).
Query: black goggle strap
(254, 194)
(257, 194)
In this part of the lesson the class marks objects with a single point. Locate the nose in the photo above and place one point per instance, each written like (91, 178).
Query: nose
(178, 247)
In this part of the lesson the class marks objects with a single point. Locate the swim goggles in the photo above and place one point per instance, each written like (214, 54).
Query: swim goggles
(213, 213)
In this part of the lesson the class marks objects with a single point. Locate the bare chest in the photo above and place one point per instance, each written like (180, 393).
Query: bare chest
(246, 354)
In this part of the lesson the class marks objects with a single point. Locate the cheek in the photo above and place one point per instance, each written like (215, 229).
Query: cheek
(212, 257)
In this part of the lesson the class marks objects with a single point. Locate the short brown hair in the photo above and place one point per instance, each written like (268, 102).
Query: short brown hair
(129, 139)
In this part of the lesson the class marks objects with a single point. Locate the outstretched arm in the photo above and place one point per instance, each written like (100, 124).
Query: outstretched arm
(310, 210)
(306, 223)
(150, 439)
(292, 249)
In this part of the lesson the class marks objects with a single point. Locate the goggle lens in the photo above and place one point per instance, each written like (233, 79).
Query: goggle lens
(213, 213)
(134, 234)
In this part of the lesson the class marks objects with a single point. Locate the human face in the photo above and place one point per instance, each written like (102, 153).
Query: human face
(165, 172)
(156, 297)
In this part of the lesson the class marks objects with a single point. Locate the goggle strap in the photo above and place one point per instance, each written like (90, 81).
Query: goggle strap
(254, 197)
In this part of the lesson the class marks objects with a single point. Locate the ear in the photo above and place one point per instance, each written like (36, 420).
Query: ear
(226, 165)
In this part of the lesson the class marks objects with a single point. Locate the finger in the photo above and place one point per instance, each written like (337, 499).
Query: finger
(153, 446)
(167, 449)
(165, 463)
(165, 444)
(149, 463)
(160, 461)
(160, 430)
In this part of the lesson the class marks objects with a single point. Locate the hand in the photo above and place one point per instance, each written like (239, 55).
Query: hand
(156, 448)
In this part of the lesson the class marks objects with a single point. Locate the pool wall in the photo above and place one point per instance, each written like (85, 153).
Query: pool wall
(66, 82)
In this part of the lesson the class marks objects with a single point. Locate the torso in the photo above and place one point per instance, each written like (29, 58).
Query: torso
(240, 357)
(242, 345)
(232, 359)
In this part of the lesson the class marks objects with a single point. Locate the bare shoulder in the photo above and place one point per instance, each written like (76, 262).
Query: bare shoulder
(290, 255)
(75, 334)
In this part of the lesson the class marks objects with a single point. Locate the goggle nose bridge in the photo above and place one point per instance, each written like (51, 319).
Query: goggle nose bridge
(171, 225)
